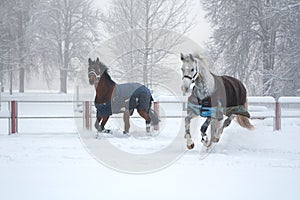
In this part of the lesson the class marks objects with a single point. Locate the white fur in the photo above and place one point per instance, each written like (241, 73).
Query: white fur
(189, 141)
(186, 85)
(206, 86)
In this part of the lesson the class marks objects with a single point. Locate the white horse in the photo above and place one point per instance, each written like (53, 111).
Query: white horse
(212, 97)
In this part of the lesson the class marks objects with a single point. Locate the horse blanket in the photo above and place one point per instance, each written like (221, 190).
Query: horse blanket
(228, 98)
(127, 96)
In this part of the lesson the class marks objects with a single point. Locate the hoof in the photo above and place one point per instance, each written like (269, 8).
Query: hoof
(191, 146)
(125, 132)
(216, 140)
(206, 143)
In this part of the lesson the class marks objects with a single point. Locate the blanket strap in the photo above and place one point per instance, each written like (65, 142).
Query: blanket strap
(217, 111)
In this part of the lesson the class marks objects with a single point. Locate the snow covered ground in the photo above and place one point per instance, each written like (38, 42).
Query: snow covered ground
(259, 164)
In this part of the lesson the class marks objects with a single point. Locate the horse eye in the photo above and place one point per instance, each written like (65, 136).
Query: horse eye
(192, 70)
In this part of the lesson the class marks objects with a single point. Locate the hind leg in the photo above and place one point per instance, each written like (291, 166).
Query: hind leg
(143, 106)
(144, 114)
(220, 130)
(126, 116)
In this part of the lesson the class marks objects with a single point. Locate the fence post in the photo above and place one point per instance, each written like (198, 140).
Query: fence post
(13, 119)
(87, 115)
(277, 116)
(156, 109)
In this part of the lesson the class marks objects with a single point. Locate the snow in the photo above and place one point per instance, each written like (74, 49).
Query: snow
(260, 99)
(259, 164)
(289, 100)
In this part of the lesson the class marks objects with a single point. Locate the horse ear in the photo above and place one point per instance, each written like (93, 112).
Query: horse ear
(192, 57)
(181, 56)
(90, 60)
(97, 60)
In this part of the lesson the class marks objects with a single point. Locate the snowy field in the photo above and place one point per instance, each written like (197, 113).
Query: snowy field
(259, 164)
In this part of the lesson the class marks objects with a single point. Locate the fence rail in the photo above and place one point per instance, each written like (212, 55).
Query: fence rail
(259, 108)
(13, 113)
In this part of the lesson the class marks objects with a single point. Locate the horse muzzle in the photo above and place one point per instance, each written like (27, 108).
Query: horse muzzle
(91, 81)
(185, 87)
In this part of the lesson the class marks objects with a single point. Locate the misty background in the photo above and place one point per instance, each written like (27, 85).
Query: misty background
(45, 44)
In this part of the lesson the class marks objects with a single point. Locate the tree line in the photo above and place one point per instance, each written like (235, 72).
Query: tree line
(55, 37)
(49, 37)
(256, 41)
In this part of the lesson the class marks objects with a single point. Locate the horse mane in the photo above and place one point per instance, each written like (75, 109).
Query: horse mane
(104, 71)
(108, 77)
(105, 86)
(202, 60)
(102, 66)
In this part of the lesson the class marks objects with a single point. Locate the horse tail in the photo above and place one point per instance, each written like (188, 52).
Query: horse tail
(244, 121)
(154, 117)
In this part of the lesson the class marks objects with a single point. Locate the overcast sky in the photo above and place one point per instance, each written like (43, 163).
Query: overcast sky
(201, 31)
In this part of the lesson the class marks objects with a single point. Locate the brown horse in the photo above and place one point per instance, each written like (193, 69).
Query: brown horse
(212, 97)
(119, 98)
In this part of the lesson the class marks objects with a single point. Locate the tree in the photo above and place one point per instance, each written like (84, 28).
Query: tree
(67, 32)
(255, 40)
(143, 34)
(15, 40)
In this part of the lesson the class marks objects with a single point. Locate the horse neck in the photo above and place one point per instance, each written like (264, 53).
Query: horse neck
(96, 84)
(104, 89)
(207, 85)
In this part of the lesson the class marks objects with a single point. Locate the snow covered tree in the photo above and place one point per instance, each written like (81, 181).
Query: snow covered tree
(67, 32)
(255, 41)
(15, 38)
(143, 33)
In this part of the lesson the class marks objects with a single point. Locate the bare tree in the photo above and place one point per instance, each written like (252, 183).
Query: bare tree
(67, 32)
(15, 40)
(144, 32)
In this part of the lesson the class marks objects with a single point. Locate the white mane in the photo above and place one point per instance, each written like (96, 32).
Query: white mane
(202, 60)
(204, 70)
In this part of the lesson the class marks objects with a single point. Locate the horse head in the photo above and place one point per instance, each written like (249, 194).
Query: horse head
(195, 70)
(95, 70)
(189, 71)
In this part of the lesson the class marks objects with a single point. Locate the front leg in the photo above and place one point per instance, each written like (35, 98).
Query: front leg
(205, 140)
(97, 123)
(103, 122)
(189, 142)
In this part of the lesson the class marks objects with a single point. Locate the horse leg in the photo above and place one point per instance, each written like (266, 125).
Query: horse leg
(226, 123)
(146, 116)
(97, 123)
(215, 127)
(100, 127)
(126, 116)
(103, 122)
(189, 142)
(205, 140)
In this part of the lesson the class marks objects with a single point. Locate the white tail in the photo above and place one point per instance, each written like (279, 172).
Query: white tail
(244, 121)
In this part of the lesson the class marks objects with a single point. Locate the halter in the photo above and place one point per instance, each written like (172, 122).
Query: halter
(193, 79)
(93, 72)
